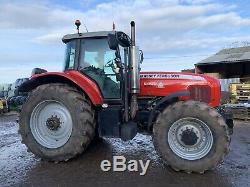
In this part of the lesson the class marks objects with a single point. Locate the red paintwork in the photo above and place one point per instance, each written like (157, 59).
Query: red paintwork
(149, 87)
(176, 81)
(87, 85)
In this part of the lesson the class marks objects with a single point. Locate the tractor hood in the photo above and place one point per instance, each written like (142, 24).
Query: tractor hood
(201, 87)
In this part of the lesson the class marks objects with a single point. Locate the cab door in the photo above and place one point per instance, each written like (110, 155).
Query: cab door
(95, 59)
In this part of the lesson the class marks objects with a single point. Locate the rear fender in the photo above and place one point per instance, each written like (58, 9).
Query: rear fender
(71, 77)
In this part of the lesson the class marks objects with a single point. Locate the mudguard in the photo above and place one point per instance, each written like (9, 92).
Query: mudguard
(227, 114)
(71, 77)
(165, 100)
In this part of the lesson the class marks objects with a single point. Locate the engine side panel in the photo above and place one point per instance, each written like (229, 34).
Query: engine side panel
(202, 88)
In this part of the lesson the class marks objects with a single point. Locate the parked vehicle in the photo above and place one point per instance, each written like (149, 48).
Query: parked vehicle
(3, 106)
(103, 93)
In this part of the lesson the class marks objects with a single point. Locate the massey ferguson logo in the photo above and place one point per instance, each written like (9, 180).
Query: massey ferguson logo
(171, 76)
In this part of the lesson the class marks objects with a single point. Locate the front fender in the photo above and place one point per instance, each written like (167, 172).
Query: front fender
(72, 77)
(162, 101)
(227, 114)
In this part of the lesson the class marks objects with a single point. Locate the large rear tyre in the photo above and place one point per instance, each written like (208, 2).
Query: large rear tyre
(191, 137)
(57, 122)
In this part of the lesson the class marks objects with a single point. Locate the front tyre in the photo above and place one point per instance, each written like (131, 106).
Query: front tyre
(56, 122)
(191, 136)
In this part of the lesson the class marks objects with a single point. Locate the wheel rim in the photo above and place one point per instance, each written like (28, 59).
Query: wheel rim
(190, 138)
(51, 124)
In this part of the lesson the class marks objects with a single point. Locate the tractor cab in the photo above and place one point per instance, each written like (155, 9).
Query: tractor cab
(111, 61)
(90, 54)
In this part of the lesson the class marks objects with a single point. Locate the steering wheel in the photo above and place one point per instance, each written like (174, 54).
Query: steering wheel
(110, 63)
(114, 65)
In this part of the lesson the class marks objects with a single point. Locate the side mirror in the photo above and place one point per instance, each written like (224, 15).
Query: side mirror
(112, 41)
(119, 38)
(123, 39)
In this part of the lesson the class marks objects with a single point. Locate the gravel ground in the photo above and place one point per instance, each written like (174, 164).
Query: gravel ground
(20, 168)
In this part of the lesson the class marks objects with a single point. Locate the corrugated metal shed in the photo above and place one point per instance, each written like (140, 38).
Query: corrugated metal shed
(230, 55)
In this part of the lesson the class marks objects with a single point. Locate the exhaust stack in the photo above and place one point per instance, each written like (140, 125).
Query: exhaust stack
(134, 66)
(134, 72)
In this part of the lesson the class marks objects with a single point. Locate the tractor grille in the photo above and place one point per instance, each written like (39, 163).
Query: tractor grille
(200, 93)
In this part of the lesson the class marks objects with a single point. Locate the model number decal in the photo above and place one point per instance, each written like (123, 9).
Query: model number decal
(155, 84)
(171, 76)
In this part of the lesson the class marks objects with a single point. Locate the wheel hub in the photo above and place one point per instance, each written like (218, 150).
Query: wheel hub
(188, 137)
(53, 123)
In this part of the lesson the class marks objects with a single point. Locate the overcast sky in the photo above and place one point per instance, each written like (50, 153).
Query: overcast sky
(174, 34)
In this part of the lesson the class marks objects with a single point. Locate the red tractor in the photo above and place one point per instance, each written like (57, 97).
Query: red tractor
(102, 93)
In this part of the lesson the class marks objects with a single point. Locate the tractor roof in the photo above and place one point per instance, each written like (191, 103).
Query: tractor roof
(69, 37)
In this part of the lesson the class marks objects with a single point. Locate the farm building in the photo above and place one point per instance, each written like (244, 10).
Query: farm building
(232, 67)
(227, 64)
